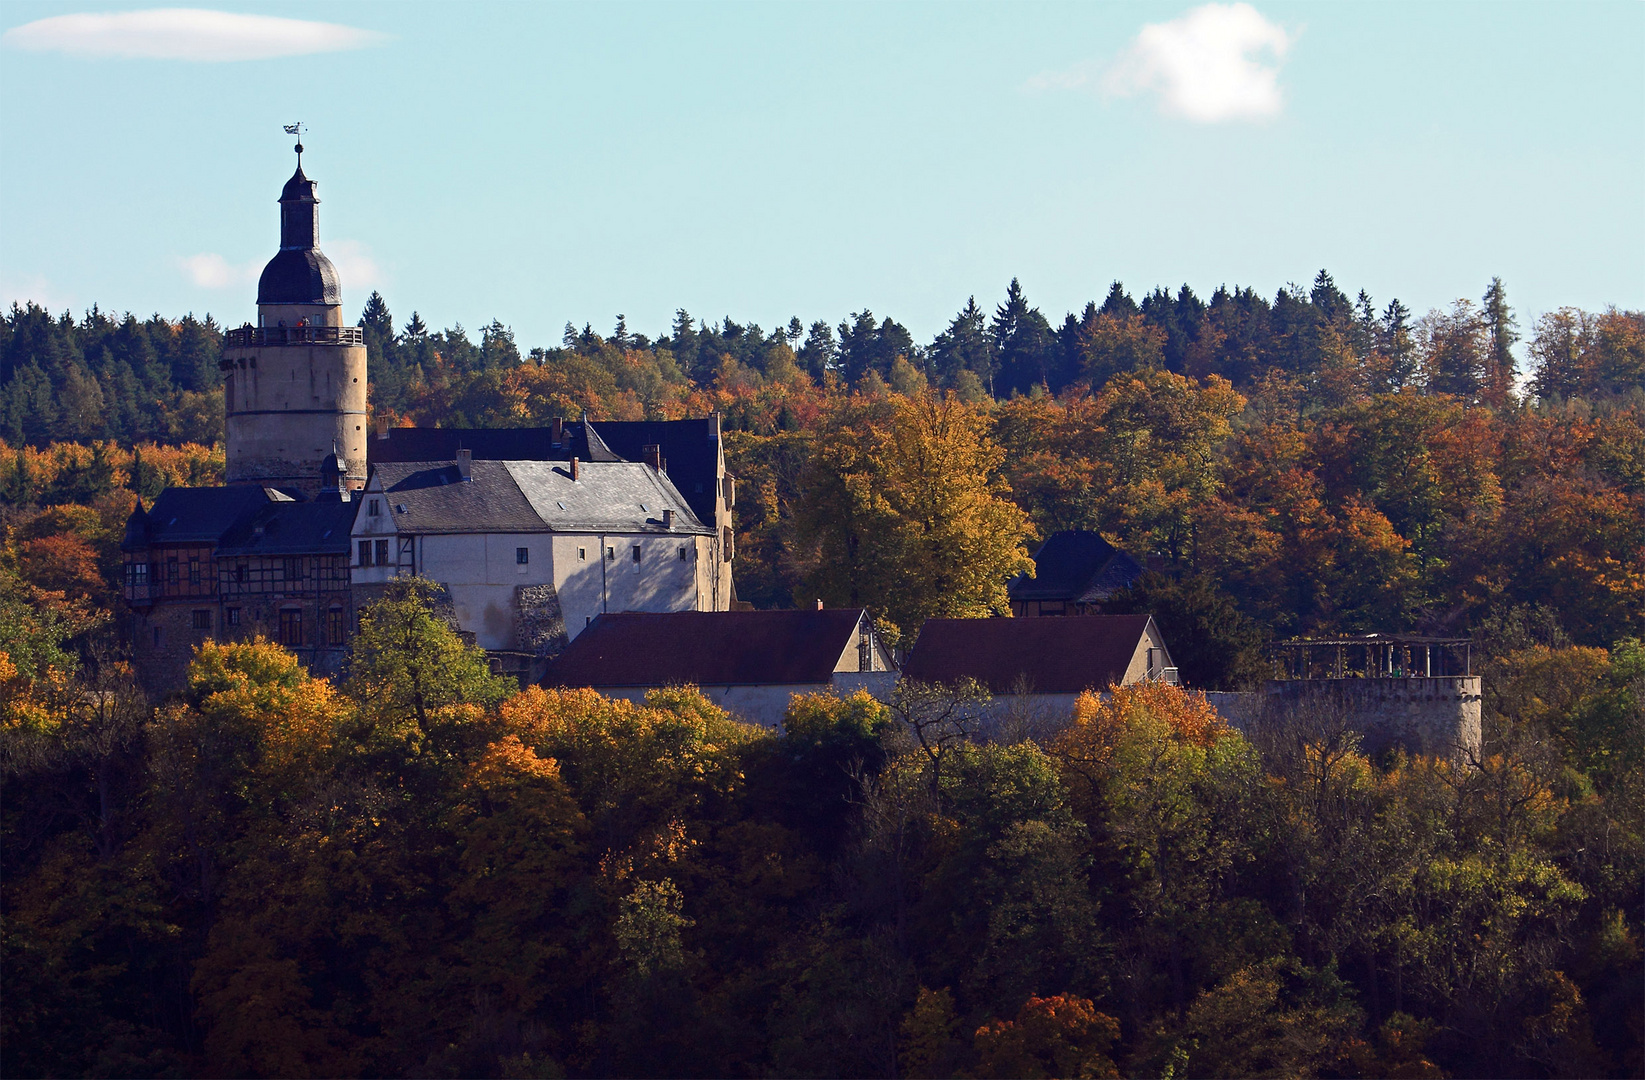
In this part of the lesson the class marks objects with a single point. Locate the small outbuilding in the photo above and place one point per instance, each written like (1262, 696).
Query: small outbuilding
(749, 663)
(1075, 572)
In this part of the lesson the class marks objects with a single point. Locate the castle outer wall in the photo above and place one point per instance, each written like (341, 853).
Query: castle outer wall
(1436, 716)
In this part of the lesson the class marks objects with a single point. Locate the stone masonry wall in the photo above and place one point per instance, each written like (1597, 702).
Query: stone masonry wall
(1435, 716)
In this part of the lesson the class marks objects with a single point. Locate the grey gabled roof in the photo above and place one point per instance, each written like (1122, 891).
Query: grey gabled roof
(690, 448)
(531, 496)
(433, 497)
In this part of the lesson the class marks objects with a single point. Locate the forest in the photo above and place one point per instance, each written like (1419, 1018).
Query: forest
(423, 869)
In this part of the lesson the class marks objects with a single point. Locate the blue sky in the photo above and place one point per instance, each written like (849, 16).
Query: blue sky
(543, 163)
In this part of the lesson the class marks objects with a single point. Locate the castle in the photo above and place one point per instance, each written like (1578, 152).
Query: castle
(531, 532)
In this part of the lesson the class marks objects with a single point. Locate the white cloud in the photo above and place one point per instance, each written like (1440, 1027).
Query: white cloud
(185, 34)
(356, 267)
(211, 271)
(32, 288)
(1217, 62)
(1207, 65)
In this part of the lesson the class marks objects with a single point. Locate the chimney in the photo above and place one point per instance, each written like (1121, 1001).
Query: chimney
(668, 519)
(652, 455)
(556, 432)
(381, 424)
(465, 464)
(573, 470)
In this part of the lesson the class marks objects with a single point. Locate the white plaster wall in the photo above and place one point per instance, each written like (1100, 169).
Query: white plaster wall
(879, 684)
(480, 573)
(661, 581)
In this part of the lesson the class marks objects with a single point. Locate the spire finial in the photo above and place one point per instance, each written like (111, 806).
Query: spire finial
(297, 130)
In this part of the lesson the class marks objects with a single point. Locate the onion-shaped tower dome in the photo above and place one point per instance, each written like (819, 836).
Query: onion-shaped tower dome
(300, 273)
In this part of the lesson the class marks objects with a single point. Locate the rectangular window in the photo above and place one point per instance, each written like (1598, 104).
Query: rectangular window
(202, 619)
(365, 552)
(582, 553)
(171, 571)
(336, 626)
(382, 553)
(139, 573)
(682, 553)
(636, 553)
(231, 616)
(522, 556)
(239, 572)
(610, 554)
(293, 570)
(291, 628)
(194, 571)
(374, 508)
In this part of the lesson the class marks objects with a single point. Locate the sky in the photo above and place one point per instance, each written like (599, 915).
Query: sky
(550, 163)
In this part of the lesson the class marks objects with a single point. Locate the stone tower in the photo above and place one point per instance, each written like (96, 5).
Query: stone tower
(295, 384)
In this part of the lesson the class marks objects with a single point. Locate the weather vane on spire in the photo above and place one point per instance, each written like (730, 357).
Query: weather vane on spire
(297, 130)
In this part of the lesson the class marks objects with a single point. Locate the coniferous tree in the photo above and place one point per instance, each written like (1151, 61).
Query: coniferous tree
(1118, 303)
(1395, 341)
(966, 345)
(819, 355)
(1501, 369)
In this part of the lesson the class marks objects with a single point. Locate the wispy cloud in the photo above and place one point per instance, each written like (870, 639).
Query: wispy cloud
(1217, 62)
(211, 271)
(356, 266)
(32, 288)
(185, 34)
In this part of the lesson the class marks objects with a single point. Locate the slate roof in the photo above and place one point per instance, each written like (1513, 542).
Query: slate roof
(299, 276)
(1052, 656)
(288, 528)
(532, 496)
(196, 515)
(299, 273)
(708, 648)
(690, 449)
(578, 440)
(1076, 566)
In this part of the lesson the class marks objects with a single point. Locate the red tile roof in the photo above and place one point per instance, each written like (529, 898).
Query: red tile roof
(1048, 655)
(708, 648)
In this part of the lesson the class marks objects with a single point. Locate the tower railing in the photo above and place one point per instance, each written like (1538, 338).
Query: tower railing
(249, 336)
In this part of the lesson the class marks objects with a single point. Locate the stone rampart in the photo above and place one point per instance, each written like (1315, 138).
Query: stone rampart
(1438, 716)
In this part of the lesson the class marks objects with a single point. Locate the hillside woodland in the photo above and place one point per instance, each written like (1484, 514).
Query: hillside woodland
(421, 869)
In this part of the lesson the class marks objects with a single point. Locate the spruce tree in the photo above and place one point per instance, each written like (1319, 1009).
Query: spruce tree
(1500, 366)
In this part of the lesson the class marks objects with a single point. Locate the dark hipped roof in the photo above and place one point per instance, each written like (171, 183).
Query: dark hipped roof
(708, 648)
(196, 515)
(531, 496)
(577, 440)
(690, 448)
(1076, 565)
(289, 528)
(1050, 656)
